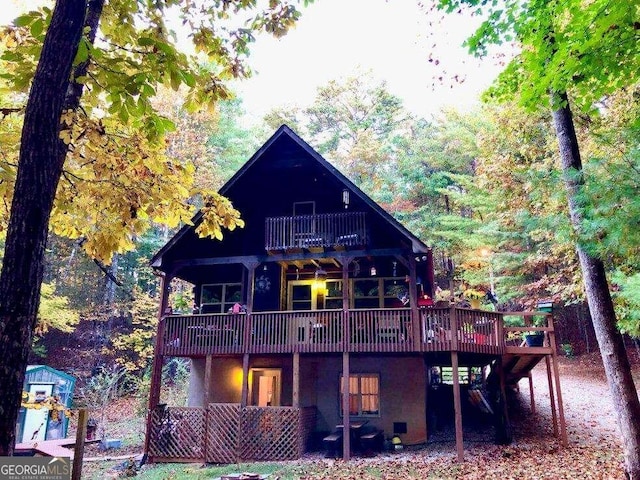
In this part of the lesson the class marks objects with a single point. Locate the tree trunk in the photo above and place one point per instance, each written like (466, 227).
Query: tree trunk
(610, 342)
(39, 169)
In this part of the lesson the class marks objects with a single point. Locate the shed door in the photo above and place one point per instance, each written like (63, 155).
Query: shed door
(35, 421)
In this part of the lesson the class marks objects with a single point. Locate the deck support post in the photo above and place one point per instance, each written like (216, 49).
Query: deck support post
(554, 358)
(244, 400)
(158, 359)
(208, 380)
(296, 380)
(552, 399)
(346, 424)
(503, 424)
(563, 426)
(457, 406)
(531, 398)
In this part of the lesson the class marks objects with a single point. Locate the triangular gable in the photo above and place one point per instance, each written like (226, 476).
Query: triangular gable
(417, 245)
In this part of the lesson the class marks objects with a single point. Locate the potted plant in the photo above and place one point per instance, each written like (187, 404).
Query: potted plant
(475, 297)
(442, 297)
(535, 338)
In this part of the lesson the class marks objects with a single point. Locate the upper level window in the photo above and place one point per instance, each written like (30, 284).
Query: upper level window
(304, 208)
(220, 297)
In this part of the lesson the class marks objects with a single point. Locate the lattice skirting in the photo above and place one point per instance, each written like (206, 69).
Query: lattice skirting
(223, 432)
(178, 433)
(270, 433)
(227, 433)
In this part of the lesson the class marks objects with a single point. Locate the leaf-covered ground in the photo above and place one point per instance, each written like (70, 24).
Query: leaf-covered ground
(594, 450)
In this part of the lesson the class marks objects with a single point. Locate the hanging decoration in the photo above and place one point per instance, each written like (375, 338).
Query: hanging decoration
(263, 284)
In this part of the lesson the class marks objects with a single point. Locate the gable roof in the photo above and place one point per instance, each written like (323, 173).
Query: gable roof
(284, 131)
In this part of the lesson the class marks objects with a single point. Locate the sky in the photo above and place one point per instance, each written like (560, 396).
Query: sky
(387, 40)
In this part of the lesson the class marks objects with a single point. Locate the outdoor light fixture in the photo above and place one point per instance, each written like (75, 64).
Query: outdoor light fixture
(321, 275)
(345, 198)
(373, 271)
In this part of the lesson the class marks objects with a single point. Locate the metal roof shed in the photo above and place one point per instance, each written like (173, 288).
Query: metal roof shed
(43, 381)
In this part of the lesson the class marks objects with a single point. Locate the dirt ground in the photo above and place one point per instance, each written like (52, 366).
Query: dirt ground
(594, 452)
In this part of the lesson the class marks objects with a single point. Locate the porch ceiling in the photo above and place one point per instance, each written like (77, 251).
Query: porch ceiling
(307, 264)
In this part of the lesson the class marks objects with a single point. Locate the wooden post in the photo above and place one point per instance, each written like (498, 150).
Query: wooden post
(346, 424)
(208, 380)
(563, 427)
(244, 400)
(296, 380)
(453, 318)
(503, 425)
(251, 276)
(533, 403)
(457, 406)
(413, 302)
(345, 303)
(429, 274)
(247, 338)
(554, 418)
(78, 450)
(556, 373)
(156, 382)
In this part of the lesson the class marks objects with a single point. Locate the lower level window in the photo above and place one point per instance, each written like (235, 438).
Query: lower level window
(364, 394)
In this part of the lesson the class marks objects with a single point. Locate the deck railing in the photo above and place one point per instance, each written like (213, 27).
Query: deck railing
(323, 331)
(316, 231)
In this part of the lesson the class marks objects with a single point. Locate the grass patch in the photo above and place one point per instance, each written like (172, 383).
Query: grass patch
(282, 471)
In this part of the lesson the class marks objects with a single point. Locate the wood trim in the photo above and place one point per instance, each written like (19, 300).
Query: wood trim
(288, 257)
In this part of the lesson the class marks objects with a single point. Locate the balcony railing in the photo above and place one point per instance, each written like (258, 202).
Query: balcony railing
(362, 330)
(329, 230)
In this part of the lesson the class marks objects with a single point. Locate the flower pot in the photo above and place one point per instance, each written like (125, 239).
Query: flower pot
(534, 339)
(475, 303)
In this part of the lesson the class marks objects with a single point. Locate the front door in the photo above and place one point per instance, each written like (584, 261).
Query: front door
(266, 387)
(305, 295)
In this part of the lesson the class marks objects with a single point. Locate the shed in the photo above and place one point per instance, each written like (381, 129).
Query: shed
(36, 424)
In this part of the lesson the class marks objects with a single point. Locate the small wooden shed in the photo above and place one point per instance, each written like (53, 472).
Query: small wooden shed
(42, 382)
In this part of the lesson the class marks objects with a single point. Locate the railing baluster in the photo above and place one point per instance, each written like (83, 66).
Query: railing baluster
(321, 230)
(363, 330)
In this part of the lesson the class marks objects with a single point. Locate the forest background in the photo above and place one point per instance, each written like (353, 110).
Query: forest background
(484, 188)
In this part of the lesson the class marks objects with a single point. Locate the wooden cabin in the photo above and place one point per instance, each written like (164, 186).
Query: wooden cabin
(316, 319)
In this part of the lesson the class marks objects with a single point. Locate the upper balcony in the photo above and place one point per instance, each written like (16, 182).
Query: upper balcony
(320, 231)
(359, 330)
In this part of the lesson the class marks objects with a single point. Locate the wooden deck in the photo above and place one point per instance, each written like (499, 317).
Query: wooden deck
(62, 447)
(392, 330)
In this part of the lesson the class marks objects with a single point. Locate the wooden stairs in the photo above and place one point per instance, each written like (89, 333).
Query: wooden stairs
(517, 362)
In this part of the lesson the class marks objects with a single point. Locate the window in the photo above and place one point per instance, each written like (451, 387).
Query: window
(466, 375)
(364, 394)
(220, 297)
(333, 299)
(380, 292)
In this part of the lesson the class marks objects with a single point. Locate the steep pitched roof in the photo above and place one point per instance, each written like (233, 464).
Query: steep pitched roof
(417, 244)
